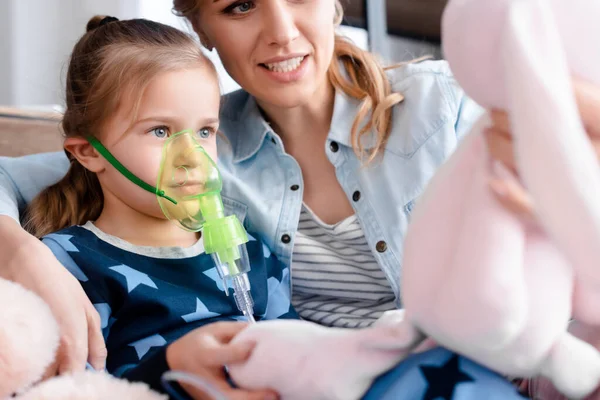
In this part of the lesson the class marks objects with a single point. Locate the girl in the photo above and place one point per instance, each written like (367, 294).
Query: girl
(131, 85)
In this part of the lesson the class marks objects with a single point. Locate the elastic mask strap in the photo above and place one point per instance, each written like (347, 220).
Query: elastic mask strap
(124, 171)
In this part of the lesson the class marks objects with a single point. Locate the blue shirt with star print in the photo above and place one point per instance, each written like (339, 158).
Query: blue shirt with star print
(148, 297)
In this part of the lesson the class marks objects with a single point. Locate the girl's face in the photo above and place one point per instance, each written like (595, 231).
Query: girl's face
(172, 102)
(277, 50)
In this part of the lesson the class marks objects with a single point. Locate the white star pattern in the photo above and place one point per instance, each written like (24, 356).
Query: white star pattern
(281, 292)
(214, 275)
(134, 278)
(64, 241)
(104, 311)
(142, 347)
(266, 251)
(200, 313)
(59, 245)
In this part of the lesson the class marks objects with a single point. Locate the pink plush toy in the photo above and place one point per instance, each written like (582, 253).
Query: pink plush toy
(28, 343)
(476, 278)
(317, 363)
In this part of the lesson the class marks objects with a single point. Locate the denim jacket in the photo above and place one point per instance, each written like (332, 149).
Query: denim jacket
(263, 185)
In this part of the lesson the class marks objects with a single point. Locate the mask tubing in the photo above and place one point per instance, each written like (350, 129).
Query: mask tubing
(193, 380)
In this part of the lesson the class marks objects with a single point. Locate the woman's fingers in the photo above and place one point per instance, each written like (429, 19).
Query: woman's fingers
(51, 371)
(73, 350)
(96, 345)
(500, 122)
(500, 148)
(588, 101)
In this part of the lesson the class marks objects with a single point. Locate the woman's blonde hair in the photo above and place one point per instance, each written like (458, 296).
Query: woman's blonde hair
(367, 81)
(113, 60)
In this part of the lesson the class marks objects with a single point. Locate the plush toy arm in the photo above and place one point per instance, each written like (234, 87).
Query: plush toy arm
(555, 158)
(461, 245)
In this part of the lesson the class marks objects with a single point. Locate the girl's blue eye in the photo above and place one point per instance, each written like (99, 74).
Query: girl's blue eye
(244, 7)
(160, 132)
(204, 133)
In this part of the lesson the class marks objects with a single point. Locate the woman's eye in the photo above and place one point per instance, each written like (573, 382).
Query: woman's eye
(204, 133)
(160, 132)
(239, 8)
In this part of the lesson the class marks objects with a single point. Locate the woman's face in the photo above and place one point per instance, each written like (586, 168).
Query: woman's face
(277, 50)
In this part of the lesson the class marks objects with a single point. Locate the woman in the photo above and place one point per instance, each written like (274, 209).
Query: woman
(360, 145)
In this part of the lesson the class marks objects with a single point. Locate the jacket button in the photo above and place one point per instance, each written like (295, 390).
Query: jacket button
(381, 246)
(286, 238)
(294, 187)
(356, 196)
(333, 146)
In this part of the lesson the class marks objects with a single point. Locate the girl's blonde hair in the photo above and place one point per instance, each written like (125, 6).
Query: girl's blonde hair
(367, 81)
(113, 61)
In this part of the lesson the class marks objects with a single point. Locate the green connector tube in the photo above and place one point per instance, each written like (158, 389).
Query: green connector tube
(222, 235)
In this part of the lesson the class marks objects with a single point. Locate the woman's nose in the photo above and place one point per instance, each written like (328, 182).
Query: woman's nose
(279, 23)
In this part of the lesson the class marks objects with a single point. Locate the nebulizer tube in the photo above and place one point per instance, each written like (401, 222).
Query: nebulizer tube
(225, 240)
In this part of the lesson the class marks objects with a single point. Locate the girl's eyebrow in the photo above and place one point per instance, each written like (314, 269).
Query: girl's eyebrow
(172, 121)
(211, 121)
(153, 119)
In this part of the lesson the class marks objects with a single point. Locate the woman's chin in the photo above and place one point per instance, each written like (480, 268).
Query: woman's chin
(285, 97)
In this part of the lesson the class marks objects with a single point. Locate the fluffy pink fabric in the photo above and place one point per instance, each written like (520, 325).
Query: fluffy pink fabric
(28, 338)
(90, 386)
(301, 360)
(477, 279)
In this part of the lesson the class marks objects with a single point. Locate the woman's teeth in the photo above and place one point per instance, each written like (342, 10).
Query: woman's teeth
(285, 66)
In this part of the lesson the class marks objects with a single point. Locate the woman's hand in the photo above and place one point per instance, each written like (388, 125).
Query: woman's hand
(499, 141)
(205, 351)
(28, 262)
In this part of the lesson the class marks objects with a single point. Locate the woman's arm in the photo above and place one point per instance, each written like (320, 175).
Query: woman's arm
(23, 178)
(25, 260)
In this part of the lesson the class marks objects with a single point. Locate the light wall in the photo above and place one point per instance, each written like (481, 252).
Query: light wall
(37, 36)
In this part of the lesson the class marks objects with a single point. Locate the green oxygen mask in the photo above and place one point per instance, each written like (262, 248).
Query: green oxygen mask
(188, 191)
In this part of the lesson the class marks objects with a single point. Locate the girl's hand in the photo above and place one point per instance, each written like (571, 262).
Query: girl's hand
(205, 351)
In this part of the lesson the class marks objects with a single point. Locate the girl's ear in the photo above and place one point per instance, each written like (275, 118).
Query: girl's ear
(85, 153)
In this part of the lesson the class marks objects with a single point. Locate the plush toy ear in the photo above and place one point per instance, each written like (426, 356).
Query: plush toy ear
(471, 35)
(553, 152)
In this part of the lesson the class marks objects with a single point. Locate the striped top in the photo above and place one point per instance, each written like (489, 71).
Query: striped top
(335, 278)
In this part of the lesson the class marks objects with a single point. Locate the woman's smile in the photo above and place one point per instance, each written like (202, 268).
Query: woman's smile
(286, 70)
